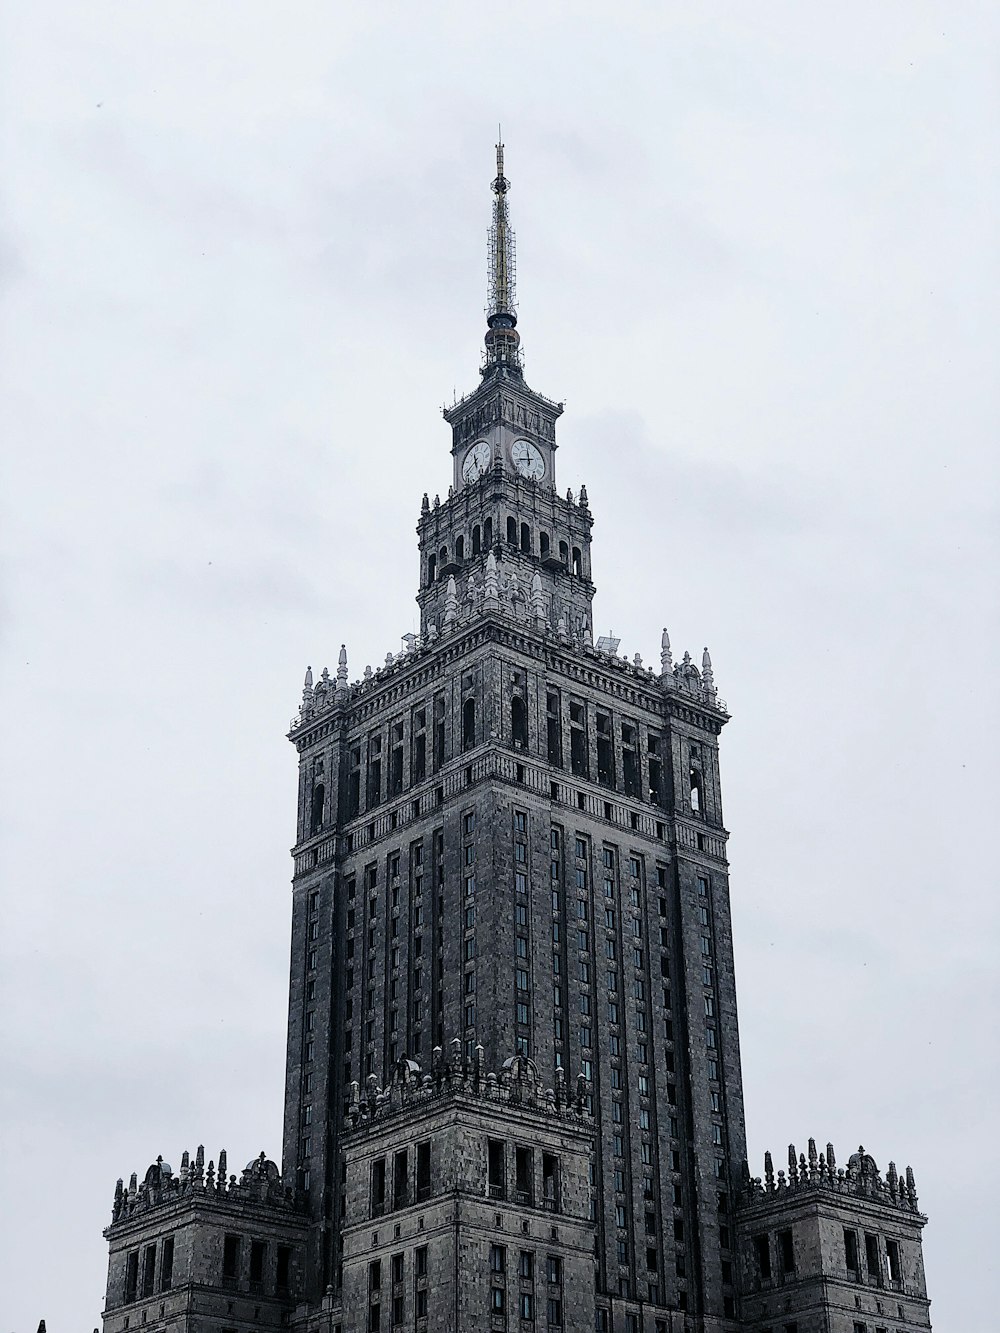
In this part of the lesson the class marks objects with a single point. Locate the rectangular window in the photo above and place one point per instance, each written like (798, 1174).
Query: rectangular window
(892, 1259)
(786, 1249)
(496, 1169)
(258, 1252)
(167, 1264)
(149, 1270)
(523, 1175)
(423, 1171)
(378, 1187)
(498, 1259)
(283, 1269)
(231, 1256)
(420, 1261)
(871, 1255)
(400, 1179)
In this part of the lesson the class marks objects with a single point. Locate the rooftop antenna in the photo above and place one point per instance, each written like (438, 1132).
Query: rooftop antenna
(502, 340)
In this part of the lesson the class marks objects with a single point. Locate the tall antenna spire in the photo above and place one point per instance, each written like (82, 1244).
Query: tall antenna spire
(502, 339)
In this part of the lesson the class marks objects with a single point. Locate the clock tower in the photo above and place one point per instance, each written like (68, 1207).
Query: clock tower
(504, 532)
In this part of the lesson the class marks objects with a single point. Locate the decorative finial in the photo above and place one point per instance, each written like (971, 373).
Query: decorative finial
(450, 601)
(666, 656)
(502, 339)
(491, 583)
(911, 1187)
(707, 674)
(342, 669)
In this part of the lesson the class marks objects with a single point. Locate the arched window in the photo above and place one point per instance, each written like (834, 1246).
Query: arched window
(316, 814)
(512, 530)
(432, 567)
(577, 561)
(459, 548)
(695, 790)
(564, 553)
(525, 538)
(443, 556)
(468, 724)
(476, 540)
(488, 533)
(518, 722)
(543, 544)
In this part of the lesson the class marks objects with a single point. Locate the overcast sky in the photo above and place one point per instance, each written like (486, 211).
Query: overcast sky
(243, 254)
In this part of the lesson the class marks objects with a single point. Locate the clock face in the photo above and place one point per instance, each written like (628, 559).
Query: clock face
(477, 460)
(528, 460)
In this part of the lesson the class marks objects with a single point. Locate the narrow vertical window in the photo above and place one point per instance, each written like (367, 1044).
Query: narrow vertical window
(316, 813)
(167, 1265)
(762, 1254)
(438, 732)
(132, 1275)
(495, 1169)
(283, 1269)
(553, 728)
(231, 1257)
(469, 724)
(605, 751)
(258, 1254)
(423, 1171)
(378, 1187)
(400, 1179)
(523, 1174)
(519, 722)
(578, 739)
(892, 1259)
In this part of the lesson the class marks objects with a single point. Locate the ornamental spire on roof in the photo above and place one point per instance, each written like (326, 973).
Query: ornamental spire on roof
(502, 340)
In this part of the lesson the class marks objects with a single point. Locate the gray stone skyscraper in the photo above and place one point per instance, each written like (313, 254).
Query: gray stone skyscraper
(513, 1095)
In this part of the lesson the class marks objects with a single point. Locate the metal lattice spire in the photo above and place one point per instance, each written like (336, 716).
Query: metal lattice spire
(502, 340)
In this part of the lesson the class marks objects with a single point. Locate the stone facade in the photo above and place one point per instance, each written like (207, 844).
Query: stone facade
(510, 855)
